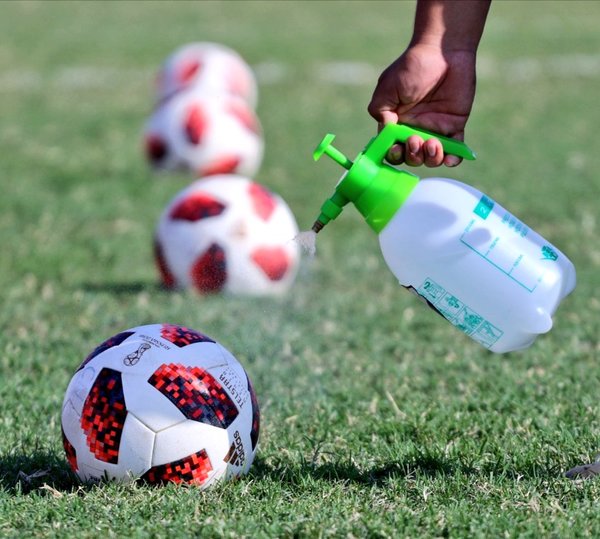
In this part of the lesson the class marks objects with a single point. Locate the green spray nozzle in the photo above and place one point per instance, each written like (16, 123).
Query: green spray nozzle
(376, 188)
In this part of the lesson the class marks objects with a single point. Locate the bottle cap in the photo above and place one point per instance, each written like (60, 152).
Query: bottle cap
(374, 187)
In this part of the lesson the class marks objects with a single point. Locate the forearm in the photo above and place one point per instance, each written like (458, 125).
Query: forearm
(452, 25)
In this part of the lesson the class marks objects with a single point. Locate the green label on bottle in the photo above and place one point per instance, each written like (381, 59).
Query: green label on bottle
(459, 314)
(484, 207)
(548, 253)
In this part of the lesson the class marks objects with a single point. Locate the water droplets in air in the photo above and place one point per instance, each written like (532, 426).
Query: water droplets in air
(307, 240)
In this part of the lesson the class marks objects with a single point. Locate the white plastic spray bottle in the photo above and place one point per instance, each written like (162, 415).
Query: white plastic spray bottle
(476, 264)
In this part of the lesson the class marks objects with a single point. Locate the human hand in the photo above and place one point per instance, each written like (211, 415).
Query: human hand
(429, 88)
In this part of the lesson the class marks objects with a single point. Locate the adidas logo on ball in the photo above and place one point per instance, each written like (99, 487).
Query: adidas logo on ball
(235, 455)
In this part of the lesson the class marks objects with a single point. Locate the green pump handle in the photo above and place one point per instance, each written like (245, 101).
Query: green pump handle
(388, 136)
(401, 132)
(377, 189)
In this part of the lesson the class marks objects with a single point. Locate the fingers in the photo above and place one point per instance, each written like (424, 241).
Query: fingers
(433, 152)
(452, 160)
(417, 152)
(414, 151)
(395, 155)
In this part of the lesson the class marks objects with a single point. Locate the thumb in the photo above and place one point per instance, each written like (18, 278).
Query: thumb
(388, 117)
(381, 109)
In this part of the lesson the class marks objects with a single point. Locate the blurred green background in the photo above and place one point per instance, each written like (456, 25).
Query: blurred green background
(379, 419)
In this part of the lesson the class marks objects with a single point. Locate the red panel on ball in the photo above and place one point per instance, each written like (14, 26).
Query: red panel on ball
(166, 276)
(156, 148)
(182, 336)
(187, 71)
(255, 415)
(209, 272)
(69, 451)
(223, 165)
(193, 470)
(195, 124)
(115, 340)
(238, 81)
(103, 416)
(263, 201)
(244, 114)
(195, 393)
(274, 261)
(197, 206)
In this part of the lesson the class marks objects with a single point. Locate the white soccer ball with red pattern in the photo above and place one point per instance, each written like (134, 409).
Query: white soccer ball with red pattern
(227, 234)
(211, 68)
(162, 403)
(205, 135)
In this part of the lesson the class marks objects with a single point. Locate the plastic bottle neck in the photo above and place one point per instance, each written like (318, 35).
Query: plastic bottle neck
(377, 191)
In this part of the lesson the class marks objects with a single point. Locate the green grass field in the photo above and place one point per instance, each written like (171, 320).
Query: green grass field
(378, 418)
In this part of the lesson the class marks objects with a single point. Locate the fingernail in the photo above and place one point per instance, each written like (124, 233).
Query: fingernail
(413, 146)
(395, 153)
(431, 151)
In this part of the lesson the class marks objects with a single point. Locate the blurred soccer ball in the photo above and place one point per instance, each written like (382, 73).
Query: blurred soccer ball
(204, 134)
(227, 233)
(211, 68)
(163, 403)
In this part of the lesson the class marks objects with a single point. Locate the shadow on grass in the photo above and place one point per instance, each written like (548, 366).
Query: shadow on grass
(43, 471)
(422, 465)
(46, 473)
(123, 289)
(427, 466)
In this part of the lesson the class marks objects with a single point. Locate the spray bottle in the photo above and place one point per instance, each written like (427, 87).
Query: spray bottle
(472, 261)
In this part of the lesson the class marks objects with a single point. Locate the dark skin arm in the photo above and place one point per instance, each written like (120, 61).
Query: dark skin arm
(432, 84)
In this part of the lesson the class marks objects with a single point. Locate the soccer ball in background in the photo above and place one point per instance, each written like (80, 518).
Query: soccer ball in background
(211, 68)
(227, 233)
(204, 134)
(163, 403)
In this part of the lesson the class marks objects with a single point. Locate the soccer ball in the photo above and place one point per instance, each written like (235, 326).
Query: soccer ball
(212, 68)
(227, 233)
(205, 135)
(163, 403)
